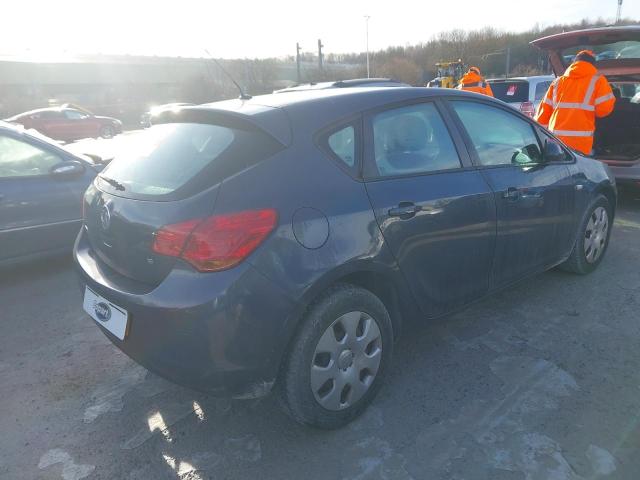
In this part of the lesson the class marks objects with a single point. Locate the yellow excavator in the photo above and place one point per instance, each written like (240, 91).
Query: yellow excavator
(449, 74)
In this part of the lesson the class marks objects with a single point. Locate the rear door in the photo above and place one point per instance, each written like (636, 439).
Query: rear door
(535, 200)
(168, 174)
(37, 211)
(436, 212)
(617, 49)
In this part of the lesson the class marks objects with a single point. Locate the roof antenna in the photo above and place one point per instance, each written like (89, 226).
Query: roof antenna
(243, 95)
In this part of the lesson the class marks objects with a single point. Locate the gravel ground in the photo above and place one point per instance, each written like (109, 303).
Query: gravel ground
(538, 382)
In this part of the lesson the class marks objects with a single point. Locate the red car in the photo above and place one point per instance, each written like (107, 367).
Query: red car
(64, 123)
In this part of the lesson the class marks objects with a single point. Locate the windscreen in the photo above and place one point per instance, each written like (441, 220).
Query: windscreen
(511, 92)
(176, 160)
(608, 51)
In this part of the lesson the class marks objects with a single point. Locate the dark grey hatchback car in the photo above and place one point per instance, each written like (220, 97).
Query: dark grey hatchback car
(284, 241)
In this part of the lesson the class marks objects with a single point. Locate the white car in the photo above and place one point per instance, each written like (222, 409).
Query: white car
(522, 93)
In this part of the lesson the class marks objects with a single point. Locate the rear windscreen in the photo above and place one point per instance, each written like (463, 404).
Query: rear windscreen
(511, 92)
(176, 160)
(609, 51)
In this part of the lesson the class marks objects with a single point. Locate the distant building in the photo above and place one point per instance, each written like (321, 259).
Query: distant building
(125, 86)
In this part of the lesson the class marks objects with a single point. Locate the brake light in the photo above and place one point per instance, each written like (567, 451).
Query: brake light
(216, 243)
(528, 109)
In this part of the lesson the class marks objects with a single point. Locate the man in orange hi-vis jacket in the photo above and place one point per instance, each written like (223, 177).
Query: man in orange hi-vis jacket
(472, 81)
(573, 102)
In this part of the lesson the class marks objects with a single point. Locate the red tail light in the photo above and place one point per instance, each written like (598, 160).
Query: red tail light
(216, 243)
(528, 109)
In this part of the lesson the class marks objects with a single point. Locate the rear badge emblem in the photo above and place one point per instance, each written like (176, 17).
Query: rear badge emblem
(103, 311)
(105, 217)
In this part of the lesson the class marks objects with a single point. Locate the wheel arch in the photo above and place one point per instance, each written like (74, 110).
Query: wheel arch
(609, 191)
(386, 282)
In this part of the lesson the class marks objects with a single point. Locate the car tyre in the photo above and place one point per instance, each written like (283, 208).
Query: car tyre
(592, 239)
(342, 336)
(107, 132)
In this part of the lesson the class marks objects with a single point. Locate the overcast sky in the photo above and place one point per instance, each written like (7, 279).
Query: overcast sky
(269, 27)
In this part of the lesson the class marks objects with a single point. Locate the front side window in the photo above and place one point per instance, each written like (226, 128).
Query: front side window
(541, 90)
(74, 115)
(343, 144)
(20, 159)
(499, 137)
(413, 139)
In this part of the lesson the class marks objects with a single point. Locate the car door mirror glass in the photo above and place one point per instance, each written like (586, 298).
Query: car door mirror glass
(67, 169)
(553, 152)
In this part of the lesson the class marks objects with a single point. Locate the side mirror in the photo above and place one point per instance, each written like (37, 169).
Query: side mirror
(69, 168)
(553, 152)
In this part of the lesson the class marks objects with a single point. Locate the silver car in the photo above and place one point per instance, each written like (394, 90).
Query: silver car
(522, 93)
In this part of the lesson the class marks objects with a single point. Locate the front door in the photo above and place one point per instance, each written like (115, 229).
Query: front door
(37, 211)
(534, 200)
(437, 216)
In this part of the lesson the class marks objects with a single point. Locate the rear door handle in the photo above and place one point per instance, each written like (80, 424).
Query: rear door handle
(511, 193)
(404, 210)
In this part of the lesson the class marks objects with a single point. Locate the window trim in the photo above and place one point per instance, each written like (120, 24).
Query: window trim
(321, 140)
(473, 154)
(368, 159)
(62, 157)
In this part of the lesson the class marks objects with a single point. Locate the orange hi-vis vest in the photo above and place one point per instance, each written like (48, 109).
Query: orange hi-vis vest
(472, 82)
(572, 104)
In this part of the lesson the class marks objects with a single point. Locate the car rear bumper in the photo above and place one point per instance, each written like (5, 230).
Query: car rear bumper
(625, 174)
(222, 333)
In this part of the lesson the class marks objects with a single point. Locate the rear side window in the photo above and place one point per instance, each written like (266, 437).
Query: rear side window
(412, 140)
(343, 144)
(511, 92)
(176, 160)
(541, 90)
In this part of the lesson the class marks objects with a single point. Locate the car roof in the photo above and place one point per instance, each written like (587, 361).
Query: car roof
(535, 78)
(308, 111)
(354, 82)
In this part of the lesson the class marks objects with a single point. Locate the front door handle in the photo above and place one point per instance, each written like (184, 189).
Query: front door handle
(511, 193)
(404, 210)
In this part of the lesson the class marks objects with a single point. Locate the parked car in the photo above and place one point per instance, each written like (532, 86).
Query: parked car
(617, 137)
(41, 188)
(67, 124)
(353, 83)
(287, 240)
(522, 93)
(145, 118)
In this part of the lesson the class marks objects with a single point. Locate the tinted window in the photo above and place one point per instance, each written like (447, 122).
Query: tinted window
(47, 114)
(609, 51)
(541, 90)
(343, 144)
(499, 137)
(20, 159)
(412, 139)
(511, 92)
(181, 159)
(74, 115)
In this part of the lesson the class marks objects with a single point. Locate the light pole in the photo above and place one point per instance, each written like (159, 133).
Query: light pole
(366, 19)
(619, 13)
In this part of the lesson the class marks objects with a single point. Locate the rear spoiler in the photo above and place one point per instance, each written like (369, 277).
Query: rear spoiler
(272, 121)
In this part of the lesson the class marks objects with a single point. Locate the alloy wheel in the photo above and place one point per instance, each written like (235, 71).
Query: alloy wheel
(346, 360)
(595, 235)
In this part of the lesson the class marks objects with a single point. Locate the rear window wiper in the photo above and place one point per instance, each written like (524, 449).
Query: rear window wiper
(114, 183)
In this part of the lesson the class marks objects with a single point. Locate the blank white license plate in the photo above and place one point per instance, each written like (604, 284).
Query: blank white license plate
(105, 313)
